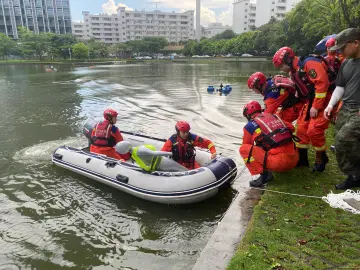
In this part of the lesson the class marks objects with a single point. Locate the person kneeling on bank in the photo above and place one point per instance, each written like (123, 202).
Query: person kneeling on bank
(268, 144)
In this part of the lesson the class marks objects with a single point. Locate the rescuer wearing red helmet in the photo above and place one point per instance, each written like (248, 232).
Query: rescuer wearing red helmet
(267, 144)
(183, 143)
(315, 79)
(106, 135)
(279, 94)
(333, 58)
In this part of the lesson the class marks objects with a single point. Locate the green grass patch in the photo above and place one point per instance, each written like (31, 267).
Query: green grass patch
(289, 232)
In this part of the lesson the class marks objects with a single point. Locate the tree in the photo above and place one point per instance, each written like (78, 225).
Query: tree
(7, 45)
(80, 50)
(38, 45)
(227, 34)
(121, 50)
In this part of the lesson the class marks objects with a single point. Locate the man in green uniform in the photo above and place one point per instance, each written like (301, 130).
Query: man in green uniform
(347, 140)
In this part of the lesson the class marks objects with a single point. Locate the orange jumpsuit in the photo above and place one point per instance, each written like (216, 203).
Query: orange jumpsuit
(109, 151)
(312, 130)
(193, 140)
(279, 159)
(274, 97)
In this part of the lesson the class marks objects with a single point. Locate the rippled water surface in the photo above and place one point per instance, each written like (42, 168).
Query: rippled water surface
(54, 219)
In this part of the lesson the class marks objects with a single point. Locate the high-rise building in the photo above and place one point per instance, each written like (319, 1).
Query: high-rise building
(36, 15)
(248, 15)
(135, 25)
(265, 9)
(241, 10)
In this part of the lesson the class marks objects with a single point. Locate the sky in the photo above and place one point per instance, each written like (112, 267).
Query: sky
(211, 10)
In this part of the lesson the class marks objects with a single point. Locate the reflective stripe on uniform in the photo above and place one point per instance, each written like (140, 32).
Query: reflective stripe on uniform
(251, 160)
(303, 146)
(210, 145)
(320, 95)
(258, 130)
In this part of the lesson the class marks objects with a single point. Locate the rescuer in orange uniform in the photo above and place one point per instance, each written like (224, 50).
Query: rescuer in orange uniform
(333, 58)
(182, 145)
(314, 80)
(106, 135)
(279, 95)
(267, 144)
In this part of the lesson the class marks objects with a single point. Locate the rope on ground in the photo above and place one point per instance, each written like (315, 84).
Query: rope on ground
(287, 193)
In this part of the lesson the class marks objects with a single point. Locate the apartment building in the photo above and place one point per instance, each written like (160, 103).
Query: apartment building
(215, 28)
(36, 15)
(135, 25)
(272, 8)
(248, 14)
(241, 15)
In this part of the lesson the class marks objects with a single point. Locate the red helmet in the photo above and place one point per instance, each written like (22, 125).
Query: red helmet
(251, 108)
(330, 42)
(284, 55)
(182, 126)
(110, 113)
(257, 80)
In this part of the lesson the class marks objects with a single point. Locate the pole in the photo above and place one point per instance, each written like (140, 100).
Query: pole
(198, 26)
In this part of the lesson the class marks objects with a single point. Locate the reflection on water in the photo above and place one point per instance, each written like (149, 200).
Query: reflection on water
(54, 219)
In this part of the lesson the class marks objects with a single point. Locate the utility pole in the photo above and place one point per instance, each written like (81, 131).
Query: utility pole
(198, 26)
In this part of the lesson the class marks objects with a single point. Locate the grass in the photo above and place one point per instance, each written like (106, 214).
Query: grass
(289, 232)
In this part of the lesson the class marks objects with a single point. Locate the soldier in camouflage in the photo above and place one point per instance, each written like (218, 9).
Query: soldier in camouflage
(347, 140)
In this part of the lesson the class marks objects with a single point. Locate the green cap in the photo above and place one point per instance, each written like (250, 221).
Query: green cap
(346, 36)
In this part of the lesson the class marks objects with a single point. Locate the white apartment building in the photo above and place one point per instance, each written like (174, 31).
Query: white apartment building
(272, 8)
(244, 14)
(215, 28)
(135, 25)
(247, 14)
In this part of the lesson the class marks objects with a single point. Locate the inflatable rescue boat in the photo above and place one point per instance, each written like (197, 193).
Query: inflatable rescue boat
(173, 184)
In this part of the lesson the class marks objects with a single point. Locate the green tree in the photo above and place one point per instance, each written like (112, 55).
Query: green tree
(227, 34)
(80, 50)
(36, 44)
(7, 45)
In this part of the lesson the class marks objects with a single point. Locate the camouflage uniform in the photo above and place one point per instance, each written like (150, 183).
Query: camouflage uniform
(347, 140)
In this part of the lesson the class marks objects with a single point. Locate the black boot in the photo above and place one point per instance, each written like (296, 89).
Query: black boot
(303, 158)
(350, 182)
(321, 160)
(265, 177)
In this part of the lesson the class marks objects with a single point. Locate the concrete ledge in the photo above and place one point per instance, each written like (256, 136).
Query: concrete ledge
(223, 243)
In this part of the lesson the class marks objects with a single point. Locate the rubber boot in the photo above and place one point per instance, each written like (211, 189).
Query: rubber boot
(350, 182)
(303, 158)
(320, 162)
(265, 177)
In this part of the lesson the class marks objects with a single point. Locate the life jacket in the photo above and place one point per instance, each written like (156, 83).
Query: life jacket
(274, 132)
(183, 153)
(282, 82)
(154, 160)
(103, 136)
(304, 86)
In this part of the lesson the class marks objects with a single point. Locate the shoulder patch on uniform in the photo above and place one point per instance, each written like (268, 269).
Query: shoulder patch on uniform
(200, 140)
(251, 127)
(312, 73)
(114, 129)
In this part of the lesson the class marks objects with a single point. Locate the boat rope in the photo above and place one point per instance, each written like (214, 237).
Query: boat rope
(275, 191)
(287, 193)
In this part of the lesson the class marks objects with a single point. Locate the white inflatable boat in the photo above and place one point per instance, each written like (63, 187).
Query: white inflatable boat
(169, 187)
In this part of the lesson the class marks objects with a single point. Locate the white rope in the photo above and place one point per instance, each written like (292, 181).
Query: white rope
(287, 193)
